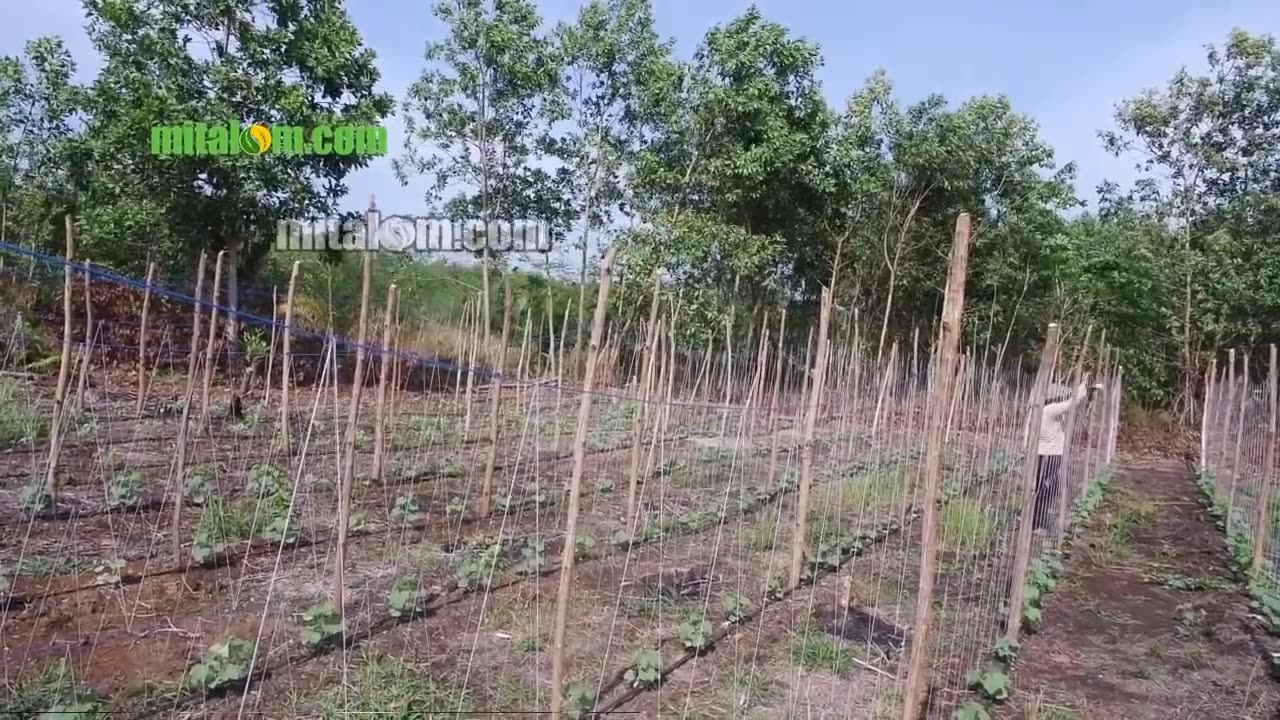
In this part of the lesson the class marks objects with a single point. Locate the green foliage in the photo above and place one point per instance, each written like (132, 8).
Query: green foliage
(775, 588)
(269, 494)
(456, 507)
(1042, 579)
(125, 488)
(108, 572)
(53, 693)
(407, 598)
(33, 497)
(584, 546)
(646, 669)
(380, 684)
(303, 57)
(221, 523)
(991, 683)
(1005, 651)
(966, 524)
(736, 607)
(320, 624)
(222, 664)
(817, 650)
(971, 711)
(200, 484)
(578, 701)
(532, 559)
(479, 562)
(405, 510)
(695, 632)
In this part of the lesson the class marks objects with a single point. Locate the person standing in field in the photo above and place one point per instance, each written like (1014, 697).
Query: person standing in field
(1053, 442)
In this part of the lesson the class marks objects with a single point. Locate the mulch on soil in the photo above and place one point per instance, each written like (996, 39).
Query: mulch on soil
(1119, 642)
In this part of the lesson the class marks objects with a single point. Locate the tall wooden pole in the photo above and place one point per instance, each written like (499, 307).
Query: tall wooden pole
(64, 369)
(575, 485)
(495, 406)
(806, 447)
(349, 442)
(180, 466)
(86, 350)
(1262, 510)
(142, 340)
(1026, 519)
(286, 362)
(941, 387)
(213, 336)
(379, 430)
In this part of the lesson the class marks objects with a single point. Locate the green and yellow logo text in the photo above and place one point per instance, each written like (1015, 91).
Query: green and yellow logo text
(233, 137)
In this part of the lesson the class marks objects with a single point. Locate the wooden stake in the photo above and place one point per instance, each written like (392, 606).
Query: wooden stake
(86, 351)
(1065, 492)
(271, 351)
(779, 364)
(495, 405)
(142, 340)
(286, 362)
(380, 406)
(522, 364)
(349, 442)
(806, 447)
(471, 370)
(64, 369)
(1026, 519)
(1235, 462)
(575, 485)
(213, 336)
(646, 383)
(180, 465)
(941, 386)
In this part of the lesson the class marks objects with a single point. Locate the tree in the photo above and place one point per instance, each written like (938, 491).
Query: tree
(276, 62)
(607, 54)
(480, 115)
(38, 107)
(728, 167)
(1207, 146)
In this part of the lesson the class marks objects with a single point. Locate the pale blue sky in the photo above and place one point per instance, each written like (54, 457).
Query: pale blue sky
(1066, 68)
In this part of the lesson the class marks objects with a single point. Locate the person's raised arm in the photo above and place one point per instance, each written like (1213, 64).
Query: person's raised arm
(1065, 406)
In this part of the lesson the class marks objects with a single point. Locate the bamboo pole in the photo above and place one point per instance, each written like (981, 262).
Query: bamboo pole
(180, 465)
(64, 368)
(779, 364)
(495, 406)
(575, 486)
(1064, 492)
(522, 365)
(213, 337)
(349, 442)
(142, 340)
(806, 447)
(941, 385)
(1262, 509)
(286, 362)
(1235, 461)
(86, 350)
(646, 382)
(380, 406)
(471, 371)
(271, 351)
(1026, 519)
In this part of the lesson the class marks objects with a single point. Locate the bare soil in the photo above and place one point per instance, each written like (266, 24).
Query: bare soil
(1118, 641)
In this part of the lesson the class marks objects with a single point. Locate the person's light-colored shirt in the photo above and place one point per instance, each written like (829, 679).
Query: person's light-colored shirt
(1053, 423)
